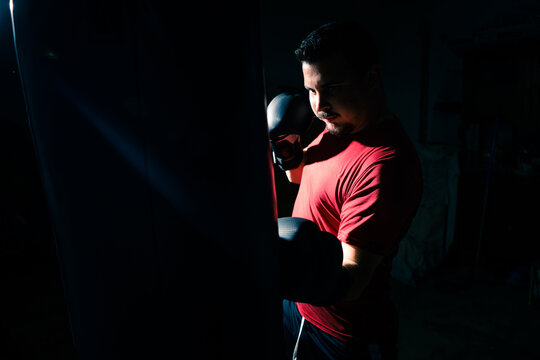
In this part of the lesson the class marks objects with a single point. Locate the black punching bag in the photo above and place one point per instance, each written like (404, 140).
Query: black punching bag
(148, 120)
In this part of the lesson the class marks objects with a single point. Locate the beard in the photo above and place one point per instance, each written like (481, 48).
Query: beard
(342, 129)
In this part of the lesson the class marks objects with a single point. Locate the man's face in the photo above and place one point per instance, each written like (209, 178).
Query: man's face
(338, 94)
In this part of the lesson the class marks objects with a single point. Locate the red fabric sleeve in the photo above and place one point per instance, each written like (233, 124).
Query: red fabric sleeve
(369, 217)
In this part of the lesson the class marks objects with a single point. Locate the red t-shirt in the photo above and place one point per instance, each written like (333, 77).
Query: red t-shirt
(364, 189)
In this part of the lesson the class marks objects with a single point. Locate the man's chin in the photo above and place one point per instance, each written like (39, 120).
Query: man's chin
(340, 129)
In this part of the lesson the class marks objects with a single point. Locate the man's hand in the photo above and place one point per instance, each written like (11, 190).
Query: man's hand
(289, 116)
(310, 263)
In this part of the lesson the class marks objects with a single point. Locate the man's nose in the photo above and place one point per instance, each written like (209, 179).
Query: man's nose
(321, 103)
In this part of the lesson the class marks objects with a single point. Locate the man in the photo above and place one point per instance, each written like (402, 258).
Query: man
(360, 180)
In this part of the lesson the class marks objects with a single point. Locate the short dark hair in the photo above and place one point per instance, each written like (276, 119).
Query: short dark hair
(346, 38)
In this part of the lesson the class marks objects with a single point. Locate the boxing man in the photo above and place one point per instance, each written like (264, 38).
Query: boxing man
(360, 183)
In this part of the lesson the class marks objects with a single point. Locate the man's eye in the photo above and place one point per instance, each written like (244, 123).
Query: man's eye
(334, 88)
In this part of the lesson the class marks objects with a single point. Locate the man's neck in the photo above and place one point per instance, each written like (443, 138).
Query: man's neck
(374, 118)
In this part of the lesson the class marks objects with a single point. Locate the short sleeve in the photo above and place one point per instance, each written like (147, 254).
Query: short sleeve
(369, 217)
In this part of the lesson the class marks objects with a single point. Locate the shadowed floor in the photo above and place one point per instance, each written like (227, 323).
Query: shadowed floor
(446, 317)
(443, 317)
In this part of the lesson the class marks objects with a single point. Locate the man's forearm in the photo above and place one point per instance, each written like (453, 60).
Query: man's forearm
(360, 265)
(357, 281)
(295, 175)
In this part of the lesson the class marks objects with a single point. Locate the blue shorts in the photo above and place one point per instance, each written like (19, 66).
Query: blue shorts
(315, 344)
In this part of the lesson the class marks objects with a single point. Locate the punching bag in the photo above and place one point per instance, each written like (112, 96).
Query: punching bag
(148, 121)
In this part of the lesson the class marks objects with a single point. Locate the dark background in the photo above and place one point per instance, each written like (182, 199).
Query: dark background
(450, 69)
